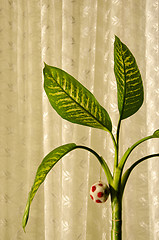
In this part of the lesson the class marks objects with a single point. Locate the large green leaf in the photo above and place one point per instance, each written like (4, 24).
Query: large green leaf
(47, 164)
(73, 101)
(129, 82)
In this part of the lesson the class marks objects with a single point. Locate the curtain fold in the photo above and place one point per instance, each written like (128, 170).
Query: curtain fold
(77, 36)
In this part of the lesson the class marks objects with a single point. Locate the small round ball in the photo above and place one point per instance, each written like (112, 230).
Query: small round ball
(99, 192)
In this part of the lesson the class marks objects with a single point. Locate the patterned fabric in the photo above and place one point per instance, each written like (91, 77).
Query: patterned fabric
(77, 36)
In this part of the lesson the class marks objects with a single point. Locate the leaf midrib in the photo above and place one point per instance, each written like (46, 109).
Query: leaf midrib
(79, 104)
(122, 111)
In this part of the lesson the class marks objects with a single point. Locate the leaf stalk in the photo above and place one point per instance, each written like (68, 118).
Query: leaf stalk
(102, 162)
(129, 170)
(129, 150)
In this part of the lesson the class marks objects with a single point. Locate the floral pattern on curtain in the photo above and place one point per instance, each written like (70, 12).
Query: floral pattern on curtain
(77, 36)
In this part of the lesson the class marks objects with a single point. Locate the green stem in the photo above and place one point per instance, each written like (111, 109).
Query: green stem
(127, 153)
(102, 162)
(116, 203)
(116, 145)
(117, 135)
(116, 151)
(129, 170)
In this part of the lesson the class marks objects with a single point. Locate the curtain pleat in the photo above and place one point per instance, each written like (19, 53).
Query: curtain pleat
(77, 36)
(152, 94)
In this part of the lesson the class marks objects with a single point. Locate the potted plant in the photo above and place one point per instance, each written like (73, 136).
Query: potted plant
(73, 102)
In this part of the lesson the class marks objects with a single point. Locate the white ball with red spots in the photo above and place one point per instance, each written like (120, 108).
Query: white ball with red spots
(99, 192)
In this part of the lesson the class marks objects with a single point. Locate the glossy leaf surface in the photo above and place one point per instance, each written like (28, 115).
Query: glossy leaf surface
(73, 101)
(129, 82)
(47, 164)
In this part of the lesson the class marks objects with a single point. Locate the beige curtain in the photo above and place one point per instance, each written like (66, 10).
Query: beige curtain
(78, 37)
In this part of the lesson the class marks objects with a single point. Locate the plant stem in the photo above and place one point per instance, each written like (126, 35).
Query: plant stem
(129, 150)
(116, 199)
(116, 203)
(116, 151)
(117, 134)
(102, 162)
(129, 170)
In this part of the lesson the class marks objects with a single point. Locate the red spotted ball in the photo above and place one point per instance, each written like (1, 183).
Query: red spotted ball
(99, 192)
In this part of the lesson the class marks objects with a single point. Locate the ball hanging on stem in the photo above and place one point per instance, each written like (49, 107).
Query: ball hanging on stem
(99, 192)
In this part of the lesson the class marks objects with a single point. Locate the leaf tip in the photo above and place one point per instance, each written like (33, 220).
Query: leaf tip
(45, 65)
(46, 68)
(26, 214)
(117, 39)
(24, 229)
(24, 224)
(156, 134)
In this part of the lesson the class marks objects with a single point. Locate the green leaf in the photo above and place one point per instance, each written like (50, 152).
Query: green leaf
(129, 82)
(47, 164)
(156, 134)
(72, 101)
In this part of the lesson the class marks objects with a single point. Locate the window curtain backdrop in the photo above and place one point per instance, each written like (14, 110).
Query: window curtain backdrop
(77, 36)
